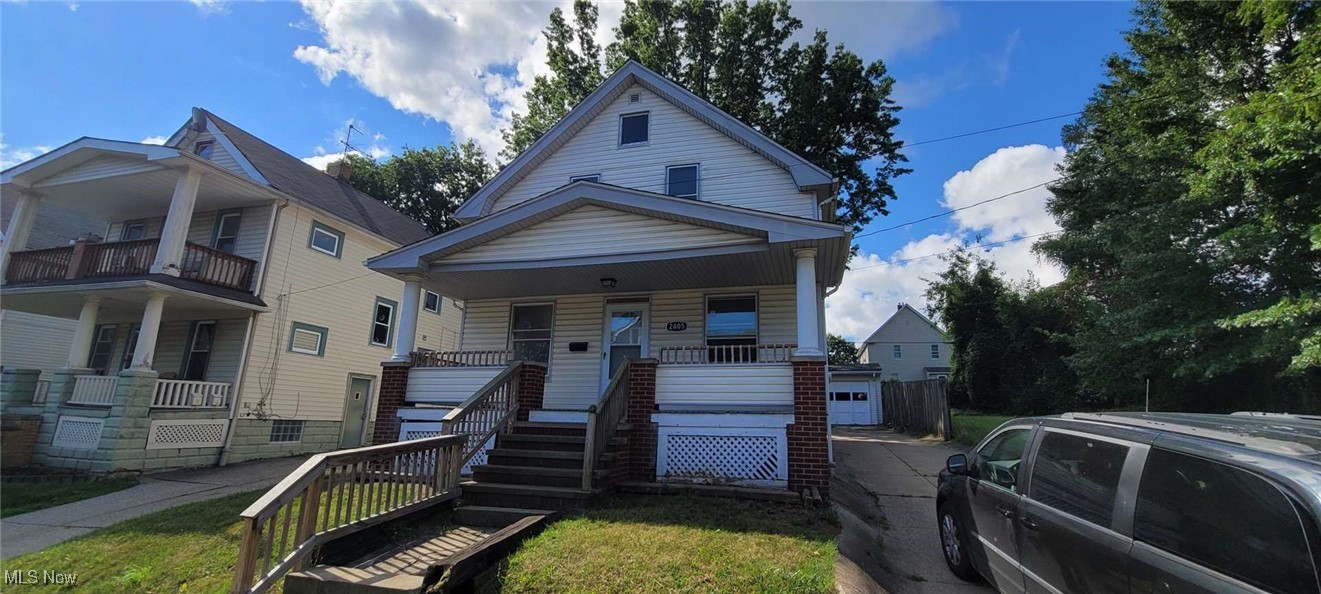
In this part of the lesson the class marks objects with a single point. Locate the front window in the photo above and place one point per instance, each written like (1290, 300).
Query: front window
(530, 331)
(383, 322)
(198, 358)
(634, 128)
(103, 344)
(225, 236)
(681, 181)
(327, 240)
(731, 329)
(130, 346)
(998, 460)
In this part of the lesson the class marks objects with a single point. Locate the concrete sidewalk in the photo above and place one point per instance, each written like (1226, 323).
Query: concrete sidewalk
(40, 529)
(884, 488)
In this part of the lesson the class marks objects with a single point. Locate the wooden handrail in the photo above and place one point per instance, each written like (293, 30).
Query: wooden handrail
(35, 266)
(86, 259)
(216, 267)
(487, 412)
(602, 420)
(338, 493)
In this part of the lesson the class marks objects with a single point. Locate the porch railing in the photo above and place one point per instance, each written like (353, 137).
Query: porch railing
(462, 358)
(338, 493)
(727, 354)
(602, 420)
(190, 394)
(94, 390)
(485, 413)
(85, 259)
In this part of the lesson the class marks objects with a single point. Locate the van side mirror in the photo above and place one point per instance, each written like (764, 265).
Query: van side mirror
(957, 464)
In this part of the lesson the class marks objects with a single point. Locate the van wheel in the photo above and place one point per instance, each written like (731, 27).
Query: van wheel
(954, 544)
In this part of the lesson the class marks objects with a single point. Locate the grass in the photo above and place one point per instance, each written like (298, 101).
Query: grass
(189, 548)
(679, 544)
(970, 428)
(21, 498)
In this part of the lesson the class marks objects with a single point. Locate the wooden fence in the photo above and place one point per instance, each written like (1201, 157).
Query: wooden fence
(921, 405)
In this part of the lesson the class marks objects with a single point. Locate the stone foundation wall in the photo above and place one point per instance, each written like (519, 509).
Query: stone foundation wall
(252, 440)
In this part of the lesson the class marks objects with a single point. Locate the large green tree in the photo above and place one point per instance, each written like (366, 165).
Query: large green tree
(1190, 197)
(840, 351)
(426, 184)
(819, 100)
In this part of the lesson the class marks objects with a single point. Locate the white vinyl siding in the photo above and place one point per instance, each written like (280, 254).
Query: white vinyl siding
(219, 154)
(913, 337)
(250, 244)
(687, 388)
(173, 339)
(34, 341)
(447, 385)
(731, 173)
(594, 231)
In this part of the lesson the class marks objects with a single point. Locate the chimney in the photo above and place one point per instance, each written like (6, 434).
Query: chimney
(340, 169)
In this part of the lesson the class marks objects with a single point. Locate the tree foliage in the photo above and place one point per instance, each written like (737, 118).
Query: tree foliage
(840, 351)
(426, 184)
(818, 100)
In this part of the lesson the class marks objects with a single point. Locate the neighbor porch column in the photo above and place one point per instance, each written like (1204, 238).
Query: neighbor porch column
(144, 350)
(81, 346)
(20, 228)
(808, 334)
(169, 252)
(410, 303)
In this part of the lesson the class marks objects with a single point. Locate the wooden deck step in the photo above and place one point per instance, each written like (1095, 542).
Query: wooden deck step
(535, 475)
(548, 428)
(559, 443)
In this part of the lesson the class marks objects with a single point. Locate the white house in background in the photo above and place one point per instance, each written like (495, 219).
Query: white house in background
(908, 346)
(646, 226)
(219, 311)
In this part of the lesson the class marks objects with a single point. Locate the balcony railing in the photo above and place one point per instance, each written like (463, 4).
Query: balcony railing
(190, 394)
(462, 358)
(126, 258)
(727, 354)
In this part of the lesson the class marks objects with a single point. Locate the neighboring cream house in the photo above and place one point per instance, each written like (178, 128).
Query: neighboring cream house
(221, 312)
(647, 225)
(908, 346)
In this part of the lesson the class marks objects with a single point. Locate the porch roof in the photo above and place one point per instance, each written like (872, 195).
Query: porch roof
(756, 248)
(125, 297)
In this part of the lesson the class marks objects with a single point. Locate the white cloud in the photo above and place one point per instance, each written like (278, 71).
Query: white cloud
(10, 157)
(73, 6)
(368, 144)
(154, 140)
(211, 7)
(875, 284)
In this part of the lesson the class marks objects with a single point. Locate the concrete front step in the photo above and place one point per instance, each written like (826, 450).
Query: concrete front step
(535, 475)
(545, 428)
(524, 496)
(496, 517)
(544, 458)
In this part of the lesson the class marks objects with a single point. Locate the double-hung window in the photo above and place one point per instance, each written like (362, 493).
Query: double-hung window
(197, 359)
(226, 233)
(935, 351)
(530, 330)
(731, 329)
(634, 129)
(682, 181)
(103, 344)
(898, 351)
(383, 322)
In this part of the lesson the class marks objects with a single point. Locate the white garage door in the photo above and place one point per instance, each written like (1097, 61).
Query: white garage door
(850, 403)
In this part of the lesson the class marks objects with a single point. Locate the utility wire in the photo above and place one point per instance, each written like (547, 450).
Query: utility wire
(950, 251)
(995, 129)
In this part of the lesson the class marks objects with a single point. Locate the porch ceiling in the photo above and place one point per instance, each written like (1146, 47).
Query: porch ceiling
(124, 300)
(148, 193)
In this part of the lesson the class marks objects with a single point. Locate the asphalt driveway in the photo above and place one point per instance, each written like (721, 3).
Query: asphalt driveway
(884, 488)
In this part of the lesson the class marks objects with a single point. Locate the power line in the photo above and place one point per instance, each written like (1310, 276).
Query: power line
(950, 251)
(952, 211)
(995, 129)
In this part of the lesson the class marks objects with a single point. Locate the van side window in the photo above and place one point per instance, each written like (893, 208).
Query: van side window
(999, 460)
(1078, 476)
(1224, 518)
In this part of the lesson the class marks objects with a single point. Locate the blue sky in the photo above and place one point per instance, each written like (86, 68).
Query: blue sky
(422, 75)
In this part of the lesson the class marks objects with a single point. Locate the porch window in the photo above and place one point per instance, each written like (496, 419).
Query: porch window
(530, 330)
(682, 181)
(383, 322)
(225, 235)
(731, 329)
(431, 302)
(634, 128)
(308, 339)
(130, 346)
(103, 345)
(133, 230)
(327, 240)
(198, 357)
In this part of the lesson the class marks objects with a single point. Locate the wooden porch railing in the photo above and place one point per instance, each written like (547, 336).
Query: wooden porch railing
(117, 258)
(602, 420)
(190, 394)
(727, 354)
(339, 493)
(485, 413)
(214, 267)
(462, 358)
(127, 258)
(38, 266)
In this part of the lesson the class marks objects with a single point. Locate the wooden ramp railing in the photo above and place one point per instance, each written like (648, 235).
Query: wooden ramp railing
(602, 419)
(339, 493)
(484, 414)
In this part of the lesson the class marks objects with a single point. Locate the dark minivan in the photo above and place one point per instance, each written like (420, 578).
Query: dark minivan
(1138, 502)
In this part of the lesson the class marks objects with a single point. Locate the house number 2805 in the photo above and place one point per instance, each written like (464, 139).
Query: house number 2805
(676, 326)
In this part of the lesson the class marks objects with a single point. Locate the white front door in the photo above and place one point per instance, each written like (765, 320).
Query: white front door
(625, 337)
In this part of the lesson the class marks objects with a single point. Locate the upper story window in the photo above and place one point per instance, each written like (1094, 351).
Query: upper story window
(327, 240)
(935, 351)
(634, 128)
(204, 149)
(133, 230)
(595, 177)
(682, 180)
(226, 233)
(308, 339)
(431, 302)
(898, 351)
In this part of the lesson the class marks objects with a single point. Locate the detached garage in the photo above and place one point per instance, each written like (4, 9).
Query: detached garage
(855, 394)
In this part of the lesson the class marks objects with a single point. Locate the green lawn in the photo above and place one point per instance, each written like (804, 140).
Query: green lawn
(21, 498)
(970, 428)
(679, 544)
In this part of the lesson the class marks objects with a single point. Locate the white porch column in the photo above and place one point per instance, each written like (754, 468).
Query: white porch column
(175, 232)
(20, 228)
(410, 303)
(144, 350)
(81, 346)
(808, 335)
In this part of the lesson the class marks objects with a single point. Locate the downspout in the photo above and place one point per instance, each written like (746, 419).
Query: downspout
(252, 329)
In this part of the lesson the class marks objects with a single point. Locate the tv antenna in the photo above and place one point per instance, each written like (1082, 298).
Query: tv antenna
(349, 134)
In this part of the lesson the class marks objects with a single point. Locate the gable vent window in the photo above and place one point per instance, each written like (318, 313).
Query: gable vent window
(682, 181)
(204, 149)
(634, 129)
(588, 178)
(635, 98)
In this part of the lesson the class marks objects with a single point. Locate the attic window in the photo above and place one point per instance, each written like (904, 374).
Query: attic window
(634, 128)
(204, 149)
(681, 181)
(588, 178)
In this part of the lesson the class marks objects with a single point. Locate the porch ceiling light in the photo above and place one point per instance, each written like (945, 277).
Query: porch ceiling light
(608, 283)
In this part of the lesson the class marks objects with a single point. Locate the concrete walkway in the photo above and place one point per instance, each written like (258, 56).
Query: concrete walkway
(884, 488)
(40, 529)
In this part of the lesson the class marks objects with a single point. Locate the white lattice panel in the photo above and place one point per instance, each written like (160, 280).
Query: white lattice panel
(743, 456)
(415, 430)
(78, 433)
(207, 433)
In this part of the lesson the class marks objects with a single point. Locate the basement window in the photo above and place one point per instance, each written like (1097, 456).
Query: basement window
(286, 431)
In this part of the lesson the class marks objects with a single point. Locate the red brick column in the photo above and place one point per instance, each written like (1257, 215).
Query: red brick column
(531, 388)
(394, 383)
(809, 435)
(640, 460)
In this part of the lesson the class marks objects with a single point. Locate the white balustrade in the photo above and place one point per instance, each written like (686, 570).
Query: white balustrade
(190, 394)
(94, 390)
